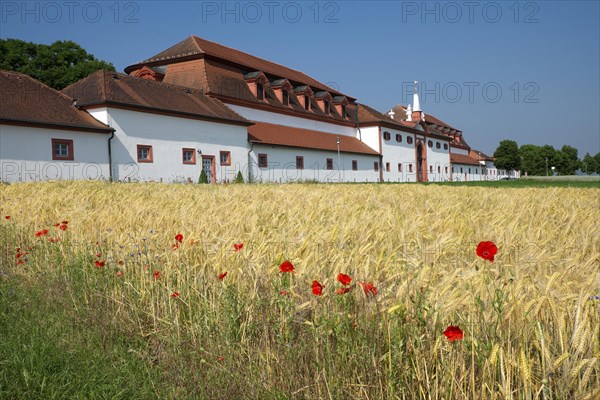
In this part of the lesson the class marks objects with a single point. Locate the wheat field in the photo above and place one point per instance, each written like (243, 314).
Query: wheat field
(531, 318)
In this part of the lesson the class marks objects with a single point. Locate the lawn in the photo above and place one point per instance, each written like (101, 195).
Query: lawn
(183, 291)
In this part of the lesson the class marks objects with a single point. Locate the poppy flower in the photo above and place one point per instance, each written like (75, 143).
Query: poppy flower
(238, 246)
(175, 295)
(220, 358)
(98, 255)
(317, 288)
(453, 333)
(156, 275)
(7, 217)
(343, 290)
(63, 227)
(179, 237)
(19, 255)
(344, 279)
(19, 262)
(53, 240)
(119, 274)
(221, 276)
(286, 266)
(65, 222)
(369, 288)
(57, 224)
(121, 262)
(100, 264)
(487, 250)
(43, 232)
(283, 292)
(175, 246)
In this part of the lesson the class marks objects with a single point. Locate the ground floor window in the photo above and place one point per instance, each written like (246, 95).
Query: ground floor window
(144, 153)
(330, 163)
(410, 168)
(189, 156)
(225, 157)
(375, 166)
(262, 161)
(399, 167)
(299, 162)
(354, 165)
(62, 149)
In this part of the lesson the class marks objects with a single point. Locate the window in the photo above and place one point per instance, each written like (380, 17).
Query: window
(469, 170)
(375, 166)
(326, 106)
(189, 156)
(387, 167)
(144, 153)
(409, 139)
(437, 145)
(262, 161)
(446, 169)
(225, 157)
(410, 167)
(286, 97)
(299, 162)
(445, 146)
(306, 103)
(399, 138)
(260, 91)
(431, 169)
(430, 143)
(461, 170)
(386, 135)
(399, 167)
(354, 165)
(343, 111)
(330, 163)
(62, 149)
(439, 169)
(476, 170)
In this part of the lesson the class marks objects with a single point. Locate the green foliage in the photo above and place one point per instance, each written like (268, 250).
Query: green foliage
(57, 65)
(239, 178)
(588, 164)
(507, 155)
(597, 161)
(203, 177)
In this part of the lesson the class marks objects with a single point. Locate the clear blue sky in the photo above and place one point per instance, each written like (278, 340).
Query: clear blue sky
(543, 56)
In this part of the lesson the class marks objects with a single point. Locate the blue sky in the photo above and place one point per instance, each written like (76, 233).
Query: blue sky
(528, 71)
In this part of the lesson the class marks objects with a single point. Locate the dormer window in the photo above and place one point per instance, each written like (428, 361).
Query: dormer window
(340, 103)
(324, 101)
(281, 88)
(256, 83)
(304, 95)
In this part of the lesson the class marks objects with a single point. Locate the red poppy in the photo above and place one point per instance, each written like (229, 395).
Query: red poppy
(238, 246)
(175, 295)
(283, 292)
(98, 255)
(179, 237)
(63, 227)
(7, 217)
(156, 275)
(175, 246)
(64, 222)
(343, 290)
(19, 262)
(286, 266)
(220, 358)
(100, 264)
(317, 288)
(344, 279)
(57, 224)
(453, 333)
(119, 273)
(487, 250)
(221, 276)
(53, 240)
(19, 255)
(369, 288)
(121, 262)
(43, 232)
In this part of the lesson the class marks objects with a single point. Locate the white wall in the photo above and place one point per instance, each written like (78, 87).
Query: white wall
(395, 153)
(281, 165)
(470, 173)
(281, 119)
(456, 150)
(437, 161)
(26, 155)
(168, 136)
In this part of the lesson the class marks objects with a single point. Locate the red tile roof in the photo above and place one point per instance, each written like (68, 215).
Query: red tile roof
(23, 100)
(196, 47)
(463, 159)
(263, 133)
(111, 88)
(480, 155)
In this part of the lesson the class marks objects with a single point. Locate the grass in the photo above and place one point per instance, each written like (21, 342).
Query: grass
(530, 318)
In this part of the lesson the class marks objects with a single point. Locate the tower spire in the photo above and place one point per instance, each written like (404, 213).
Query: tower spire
(416, 103)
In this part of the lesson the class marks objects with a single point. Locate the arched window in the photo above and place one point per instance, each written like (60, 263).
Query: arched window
(438, 145)
(409, 139)
(430, 143)
(398, 138)
(386, 135)
(445, 146)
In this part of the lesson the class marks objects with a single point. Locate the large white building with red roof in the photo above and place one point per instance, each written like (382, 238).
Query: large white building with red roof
(201, 106)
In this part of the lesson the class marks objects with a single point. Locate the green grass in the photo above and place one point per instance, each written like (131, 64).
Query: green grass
(528, 183)
(48, 351)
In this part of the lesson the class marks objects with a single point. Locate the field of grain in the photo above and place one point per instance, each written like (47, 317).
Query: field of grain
(531, 318)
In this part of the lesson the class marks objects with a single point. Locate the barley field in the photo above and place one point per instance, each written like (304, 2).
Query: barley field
(125, 295)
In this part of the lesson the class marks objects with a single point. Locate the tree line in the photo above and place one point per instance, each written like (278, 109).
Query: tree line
(539, 160)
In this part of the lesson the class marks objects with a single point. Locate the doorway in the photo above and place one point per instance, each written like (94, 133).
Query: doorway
(208, 166)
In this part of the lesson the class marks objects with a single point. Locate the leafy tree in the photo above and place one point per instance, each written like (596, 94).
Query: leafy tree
(203, 177)
(588, 164)
(532, 162)
(597, 162)
(57, 65)
(507, 155)
(568, 160)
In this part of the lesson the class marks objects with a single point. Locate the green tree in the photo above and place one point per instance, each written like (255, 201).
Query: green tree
(568, 160)
(588, 164)
(507, 155)
(203, 177)
(597, 163)
(239, 178)
(57, 65)
(532, 161)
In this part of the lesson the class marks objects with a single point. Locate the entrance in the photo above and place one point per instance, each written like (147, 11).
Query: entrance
(208, 166)
(419, 163)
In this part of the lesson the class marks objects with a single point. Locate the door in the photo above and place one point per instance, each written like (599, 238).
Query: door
(419, 163)
(208, 165)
